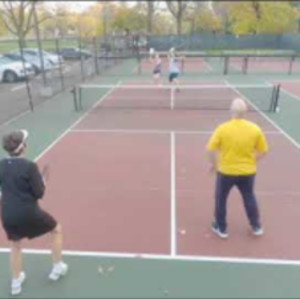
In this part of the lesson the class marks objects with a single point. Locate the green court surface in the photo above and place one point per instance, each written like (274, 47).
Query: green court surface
(105, 275)
(138, 278)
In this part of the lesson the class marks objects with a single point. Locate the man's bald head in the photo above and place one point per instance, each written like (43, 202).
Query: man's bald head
(238, 108)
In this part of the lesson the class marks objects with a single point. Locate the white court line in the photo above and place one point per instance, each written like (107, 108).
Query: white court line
(130, 131)
(146, 256)
(15, 118)
(18, 87)
(75, 123)
(173, 194)
(291, 139)
(210, 68)
(180, 86)
(297, 97)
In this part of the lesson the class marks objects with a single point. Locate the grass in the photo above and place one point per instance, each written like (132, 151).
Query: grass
(47, 45)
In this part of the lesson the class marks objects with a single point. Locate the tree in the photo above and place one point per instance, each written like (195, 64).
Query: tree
(3, 30)
(221, 11)
(177, 9)
(17, 17)
(202, 17)
(59, 23)
(132, 19)
(151, 11)
(262, 17)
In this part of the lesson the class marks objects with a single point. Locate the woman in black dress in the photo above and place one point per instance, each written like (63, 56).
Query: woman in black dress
(22, 185)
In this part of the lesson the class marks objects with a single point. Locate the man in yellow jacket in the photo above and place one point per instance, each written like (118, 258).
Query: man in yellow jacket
(233, 150)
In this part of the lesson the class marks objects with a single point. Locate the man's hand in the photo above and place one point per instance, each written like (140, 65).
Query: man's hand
(259, 156)
(212, 157)
(212, 169)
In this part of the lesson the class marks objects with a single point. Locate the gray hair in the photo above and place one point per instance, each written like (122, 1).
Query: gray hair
(238, 107)
(14, 142)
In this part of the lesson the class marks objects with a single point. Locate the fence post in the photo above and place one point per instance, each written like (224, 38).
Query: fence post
(96, 54)
(30, 102)
(37, 32)
(81, 59)
(61, 75)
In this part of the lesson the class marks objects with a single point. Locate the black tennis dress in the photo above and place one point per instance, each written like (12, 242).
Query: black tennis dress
(22, 186)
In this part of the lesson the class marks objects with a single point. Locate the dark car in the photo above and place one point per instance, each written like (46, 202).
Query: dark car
(75, 53)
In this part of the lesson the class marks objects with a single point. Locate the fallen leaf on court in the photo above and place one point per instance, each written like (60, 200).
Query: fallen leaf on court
(100, 270)
(182, 231)
(110, 269)
(139, 256)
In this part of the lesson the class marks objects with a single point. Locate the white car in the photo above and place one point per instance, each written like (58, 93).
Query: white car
(34, 61)
(12, 71)
(55, 59)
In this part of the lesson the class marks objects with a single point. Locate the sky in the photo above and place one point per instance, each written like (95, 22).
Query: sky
(76, 6)
(79, 6)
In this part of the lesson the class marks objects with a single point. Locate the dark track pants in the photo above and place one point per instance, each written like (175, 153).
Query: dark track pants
(245, 184)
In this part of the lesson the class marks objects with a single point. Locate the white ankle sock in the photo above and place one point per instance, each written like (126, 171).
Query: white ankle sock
(57, 266)
(16, 281)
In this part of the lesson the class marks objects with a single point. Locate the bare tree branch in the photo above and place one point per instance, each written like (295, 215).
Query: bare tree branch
(177, 9)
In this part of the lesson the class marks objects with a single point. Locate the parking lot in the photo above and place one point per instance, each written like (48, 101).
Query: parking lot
(14, 98)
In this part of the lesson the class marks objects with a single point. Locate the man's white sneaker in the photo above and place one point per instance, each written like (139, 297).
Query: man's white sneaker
(257, 231)
(58, 271)
(216, 230)
(16, 285)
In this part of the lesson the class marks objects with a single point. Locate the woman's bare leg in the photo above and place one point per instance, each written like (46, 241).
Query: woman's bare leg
(57, 240)
(16, 259)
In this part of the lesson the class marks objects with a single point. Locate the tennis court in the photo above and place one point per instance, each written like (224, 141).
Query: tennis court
(129, 183)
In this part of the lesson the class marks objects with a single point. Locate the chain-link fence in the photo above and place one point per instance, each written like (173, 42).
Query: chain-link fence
(57, 66)
(60, 64)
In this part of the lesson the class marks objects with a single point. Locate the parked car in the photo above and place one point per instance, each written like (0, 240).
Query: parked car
(12, 71)
(34, 61)
(75, 53)
(53, 58)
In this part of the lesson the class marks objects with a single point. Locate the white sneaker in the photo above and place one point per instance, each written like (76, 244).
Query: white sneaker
(16, 285)
(217, 231)
(58, 271)
(258, 231)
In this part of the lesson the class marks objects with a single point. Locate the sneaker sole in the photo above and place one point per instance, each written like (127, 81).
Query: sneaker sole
(19, 290)
(218, 233)
(58, 276)
(258, 234)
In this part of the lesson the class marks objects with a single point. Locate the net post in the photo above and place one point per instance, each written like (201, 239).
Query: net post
(226, 61)
(139, 61)
(245, 65)
(182, 65)
(277, 97)
(271, 107)
(274, 98)
(291, 64)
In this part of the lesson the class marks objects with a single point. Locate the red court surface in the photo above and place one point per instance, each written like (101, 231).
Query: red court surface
(264, 65)
(138, 182)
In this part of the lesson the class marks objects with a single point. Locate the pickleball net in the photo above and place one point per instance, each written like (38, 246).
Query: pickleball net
(189, 97)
